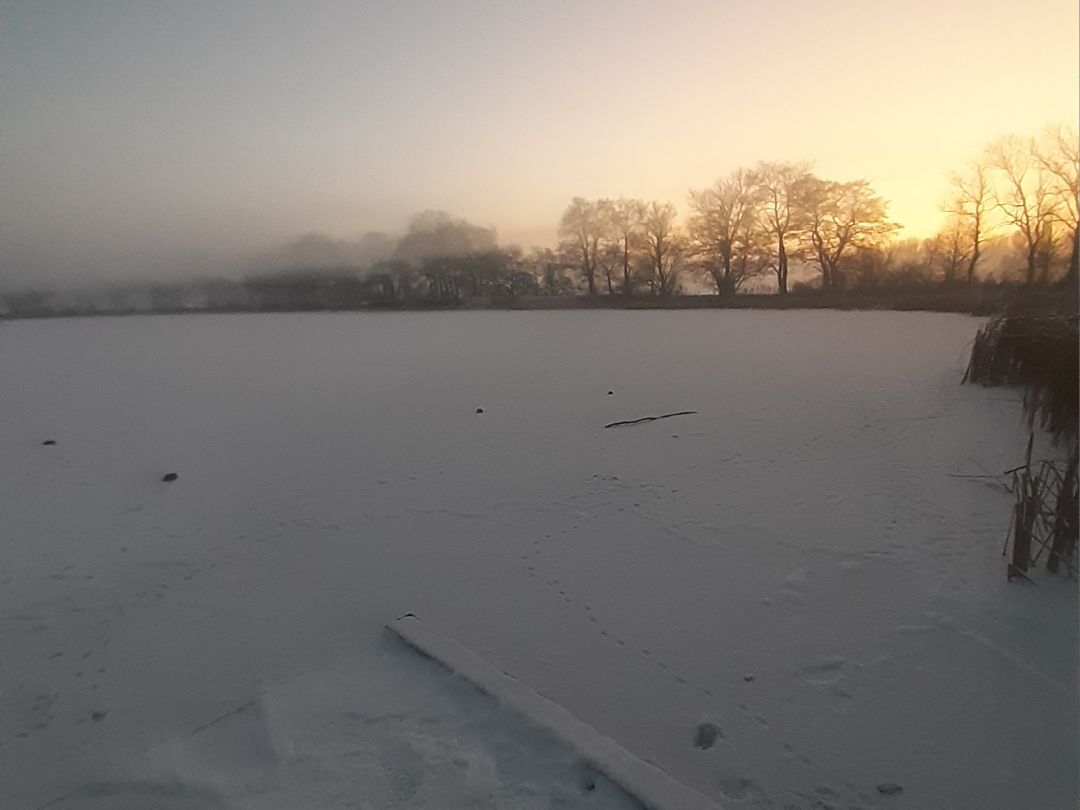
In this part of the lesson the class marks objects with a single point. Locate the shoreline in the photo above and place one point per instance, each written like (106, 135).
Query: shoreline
(979, 301)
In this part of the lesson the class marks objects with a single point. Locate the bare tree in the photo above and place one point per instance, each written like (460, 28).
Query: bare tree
(930, 250)
(581, 231)
(435, 234)
(1058, 153)
(722, 215)
(663, 246)
(951, 248)
(626, 219)
(876, 265)
(607, 251)
(841, 218)
(969, 204)
(547, 267)
(607, 260)
(1049, 250)
(1025, 196)
(753, 253)
(782, 185)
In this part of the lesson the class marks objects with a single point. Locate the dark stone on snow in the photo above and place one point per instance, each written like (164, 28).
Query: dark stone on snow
(479, 410)
(49, 442)
(610, 393)
(169, 477)
(706, 735)
(889, 789)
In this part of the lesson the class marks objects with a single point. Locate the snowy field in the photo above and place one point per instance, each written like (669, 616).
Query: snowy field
(794, 563)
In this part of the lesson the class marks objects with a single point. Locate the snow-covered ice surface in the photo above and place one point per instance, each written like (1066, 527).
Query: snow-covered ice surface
(794, 563)
(382, 730)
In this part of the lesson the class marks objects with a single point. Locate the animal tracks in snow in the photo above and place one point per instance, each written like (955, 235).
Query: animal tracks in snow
(542, 567)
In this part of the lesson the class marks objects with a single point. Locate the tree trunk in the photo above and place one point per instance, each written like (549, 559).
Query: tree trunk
(826, 271)
(782, 268)
(971, 265)
(1074, 259)
(950, 269)
(724, 288)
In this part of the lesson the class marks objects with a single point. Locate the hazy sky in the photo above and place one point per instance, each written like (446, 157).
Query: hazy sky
(161, 136)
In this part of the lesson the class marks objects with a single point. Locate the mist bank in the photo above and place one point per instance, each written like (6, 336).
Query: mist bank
(1011, 215)
(442, 262)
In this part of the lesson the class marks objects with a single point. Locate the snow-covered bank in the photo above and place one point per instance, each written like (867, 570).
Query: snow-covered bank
(792, 563)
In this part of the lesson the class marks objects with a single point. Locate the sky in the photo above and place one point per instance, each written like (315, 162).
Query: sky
(152, 139)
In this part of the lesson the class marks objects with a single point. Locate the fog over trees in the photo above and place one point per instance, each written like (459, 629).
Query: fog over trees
(1010, 217)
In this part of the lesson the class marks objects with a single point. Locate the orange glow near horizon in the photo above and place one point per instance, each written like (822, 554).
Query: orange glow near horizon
(140, 135)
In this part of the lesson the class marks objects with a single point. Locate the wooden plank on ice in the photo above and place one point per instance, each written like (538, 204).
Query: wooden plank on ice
(646, 782)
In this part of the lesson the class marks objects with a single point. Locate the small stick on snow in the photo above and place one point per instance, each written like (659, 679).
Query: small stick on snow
(649, 418)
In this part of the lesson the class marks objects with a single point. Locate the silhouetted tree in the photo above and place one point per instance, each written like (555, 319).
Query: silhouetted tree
(625, 218)
(393, 279)
(876, 266)
(840, 219)
(970, 204)
(782, 186)
(1058, 153)
(950, 249)
(723, 224)
(582, 231)
(663, 246)
(320, 250)
(608, 261)
(1025, 196)
(434, 234)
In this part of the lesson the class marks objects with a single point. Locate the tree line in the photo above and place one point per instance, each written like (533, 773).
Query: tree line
(776, 226)
(752, 223)
(1016, 203)
(1011, 216)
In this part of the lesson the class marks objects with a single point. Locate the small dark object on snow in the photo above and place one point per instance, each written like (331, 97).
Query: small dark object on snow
(706, 735)
(587, 780)
(99, 715)
(169, 477)
(479, 410)
(889, 789)
(610, 393)
(49, 442)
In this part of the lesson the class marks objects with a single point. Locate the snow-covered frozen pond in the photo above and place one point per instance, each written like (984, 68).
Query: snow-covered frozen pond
(794, 562)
